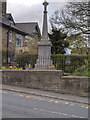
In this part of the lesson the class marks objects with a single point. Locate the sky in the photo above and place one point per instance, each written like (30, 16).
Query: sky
(32, 10)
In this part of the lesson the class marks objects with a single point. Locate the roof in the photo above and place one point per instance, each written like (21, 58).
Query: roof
(9, 17)
(23, 28)
(28, 27)
(7, 23)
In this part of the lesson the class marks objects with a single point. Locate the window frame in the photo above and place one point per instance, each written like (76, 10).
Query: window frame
(20, 42)
(10, 36)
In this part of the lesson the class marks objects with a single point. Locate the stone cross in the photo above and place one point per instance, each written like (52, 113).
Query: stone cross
(44, 46)
(45, 28)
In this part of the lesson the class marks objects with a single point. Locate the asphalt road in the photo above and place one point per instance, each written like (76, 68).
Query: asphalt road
(18, 105)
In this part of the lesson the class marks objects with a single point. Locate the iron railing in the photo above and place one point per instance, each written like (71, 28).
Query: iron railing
(67, 63)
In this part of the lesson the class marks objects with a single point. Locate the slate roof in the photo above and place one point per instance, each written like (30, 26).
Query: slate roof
(10, 25)
(23, 28)
(9, 17)
(29, 27)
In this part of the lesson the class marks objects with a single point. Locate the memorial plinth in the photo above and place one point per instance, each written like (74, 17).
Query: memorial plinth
(44, 46)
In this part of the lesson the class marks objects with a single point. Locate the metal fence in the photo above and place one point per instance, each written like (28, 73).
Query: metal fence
(67, 63)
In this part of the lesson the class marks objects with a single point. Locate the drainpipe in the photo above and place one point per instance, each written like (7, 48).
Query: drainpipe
(8, 42)
(7, 45)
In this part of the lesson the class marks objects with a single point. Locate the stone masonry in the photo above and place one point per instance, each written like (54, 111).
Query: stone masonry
(44, 46)
(51, 80)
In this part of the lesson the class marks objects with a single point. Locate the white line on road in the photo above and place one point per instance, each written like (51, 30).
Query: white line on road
(58, 113)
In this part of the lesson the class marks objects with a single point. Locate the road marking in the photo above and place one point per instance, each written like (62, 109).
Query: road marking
(3, 92)
(56, 101)
(58, 113)
(41, 99)
(86, 107)
(38, 98)
(66, 103)
(28, 96)
(82, 106)
(21, 95)
(51, 101)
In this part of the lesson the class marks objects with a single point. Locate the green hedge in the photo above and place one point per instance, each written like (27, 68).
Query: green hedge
(67, 63)
(24, 58)
(84, 70)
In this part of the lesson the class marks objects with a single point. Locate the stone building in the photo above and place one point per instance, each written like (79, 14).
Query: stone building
(17, 37)
(32, 37)
(9, 33)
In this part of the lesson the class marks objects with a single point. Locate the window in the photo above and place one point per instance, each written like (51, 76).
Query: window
(10, 36)
(18, 42)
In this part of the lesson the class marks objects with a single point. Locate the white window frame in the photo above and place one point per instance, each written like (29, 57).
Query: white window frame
(10, 36)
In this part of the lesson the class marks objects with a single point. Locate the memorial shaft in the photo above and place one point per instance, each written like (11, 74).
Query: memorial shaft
(45, 27)
(44, 46)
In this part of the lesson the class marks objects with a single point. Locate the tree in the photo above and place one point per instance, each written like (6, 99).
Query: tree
(74, 18)
(58, 41)
(77, 44)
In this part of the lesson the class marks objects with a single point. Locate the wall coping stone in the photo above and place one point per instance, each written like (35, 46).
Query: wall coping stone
(75, 77)
(33, 70)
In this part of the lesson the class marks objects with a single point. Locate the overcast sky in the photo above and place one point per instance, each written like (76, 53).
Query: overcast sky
(32, 10)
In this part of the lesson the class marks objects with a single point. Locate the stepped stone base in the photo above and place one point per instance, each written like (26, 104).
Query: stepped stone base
(44, 54)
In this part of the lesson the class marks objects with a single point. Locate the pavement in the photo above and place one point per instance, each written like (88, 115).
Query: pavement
(48, 94)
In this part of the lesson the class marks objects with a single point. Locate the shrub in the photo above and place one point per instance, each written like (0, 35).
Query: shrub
(68, 63)
(83, 70)
(24, 58)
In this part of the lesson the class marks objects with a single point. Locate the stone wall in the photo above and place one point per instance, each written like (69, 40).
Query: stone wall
(12, 49)
(47, 80)
(11, 45)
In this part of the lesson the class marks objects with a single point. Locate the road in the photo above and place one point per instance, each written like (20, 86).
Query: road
(19, 105)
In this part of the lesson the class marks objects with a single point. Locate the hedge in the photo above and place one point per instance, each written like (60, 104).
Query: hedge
(67, 63)
(24, 58)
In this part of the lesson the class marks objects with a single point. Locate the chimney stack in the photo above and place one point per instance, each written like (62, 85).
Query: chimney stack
(4, 8)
